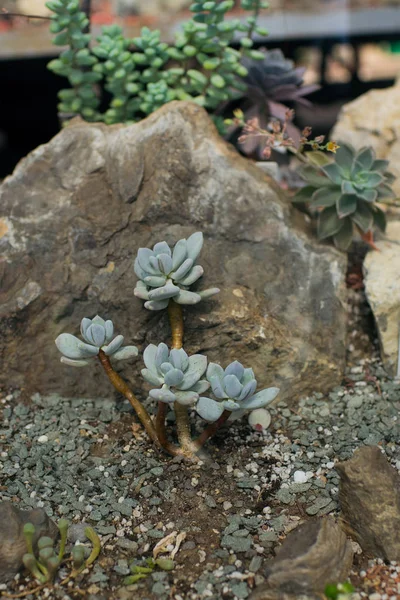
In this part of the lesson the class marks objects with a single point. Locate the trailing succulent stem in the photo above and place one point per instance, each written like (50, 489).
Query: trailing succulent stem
(178, 380)
(143, 73)
(76, 63)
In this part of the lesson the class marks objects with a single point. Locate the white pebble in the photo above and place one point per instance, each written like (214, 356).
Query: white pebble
(227, 505)
(43, 439)
(330, 465)
(300, 477)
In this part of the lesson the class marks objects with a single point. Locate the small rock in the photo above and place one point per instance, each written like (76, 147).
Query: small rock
(300, 477)
(313, 555)
(13, 545)
(369, 496)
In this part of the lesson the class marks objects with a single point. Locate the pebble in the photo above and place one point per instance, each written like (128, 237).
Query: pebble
(300, 477)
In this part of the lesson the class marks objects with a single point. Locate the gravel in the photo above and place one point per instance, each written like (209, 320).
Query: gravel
(78, 459)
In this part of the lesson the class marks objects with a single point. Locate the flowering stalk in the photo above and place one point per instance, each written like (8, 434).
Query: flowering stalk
(276, 136)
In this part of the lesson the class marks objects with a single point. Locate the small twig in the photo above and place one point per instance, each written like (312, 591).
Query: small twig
(7, 13)
(26, 593)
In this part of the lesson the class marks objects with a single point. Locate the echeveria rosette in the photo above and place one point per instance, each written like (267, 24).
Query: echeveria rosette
(98, 335)
(235, 387)
(165, 274)
(345, 192)
(178, 374)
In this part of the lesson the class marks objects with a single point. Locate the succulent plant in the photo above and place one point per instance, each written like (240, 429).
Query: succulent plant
(177, 373)
(76, 62)
(144, 73)
(270, 82)
(98, 335)
(345, 192)
(44, 567)
(165, 274)
(235, 389)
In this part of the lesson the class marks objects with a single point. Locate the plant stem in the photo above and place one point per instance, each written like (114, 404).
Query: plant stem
(175, 315)
(86, 8)
(123, 388)
(212, 429)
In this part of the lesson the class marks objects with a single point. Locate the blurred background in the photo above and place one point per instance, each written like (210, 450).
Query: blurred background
(346, 46)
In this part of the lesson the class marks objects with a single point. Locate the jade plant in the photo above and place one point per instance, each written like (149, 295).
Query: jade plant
(344, 193)
(46, 564)
(180, 382)
(143, 73)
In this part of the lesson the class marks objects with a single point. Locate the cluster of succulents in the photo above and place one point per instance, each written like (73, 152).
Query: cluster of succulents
(98, 335)
(166, 274)
(132, 91)
(177, 379)
(76, 63)
(180, 378)
(45, 565)
(345, 192)
(144, 73)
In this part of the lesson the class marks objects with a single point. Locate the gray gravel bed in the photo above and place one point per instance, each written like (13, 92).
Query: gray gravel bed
(79, 459)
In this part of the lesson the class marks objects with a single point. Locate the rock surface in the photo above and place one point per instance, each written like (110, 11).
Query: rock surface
(382, 287)
(373, 119)
(13, 545)
(314, 554)
(369, 495)
(76, 210)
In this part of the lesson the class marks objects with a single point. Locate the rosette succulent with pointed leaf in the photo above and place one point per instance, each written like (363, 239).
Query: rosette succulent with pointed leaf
(98, 335)
(178, 374)
(235, 388)
(345, 192)
(165, 274)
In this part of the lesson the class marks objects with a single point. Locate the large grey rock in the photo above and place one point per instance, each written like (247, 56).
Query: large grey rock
(382, 287)
(369, 496)
(13, 545)
(76, 210)
(314, 554)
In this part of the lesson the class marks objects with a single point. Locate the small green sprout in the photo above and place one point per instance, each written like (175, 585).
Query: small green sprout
(45, 565)
(140, 572)
(339, 591)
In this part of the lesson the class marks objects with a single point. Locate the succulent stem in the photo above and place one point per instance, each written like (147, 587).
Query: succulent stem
(63, 529)
(94, 538)
(29, 532)
(123, 388)
(212, 429)
(31, 564)
(175, 315)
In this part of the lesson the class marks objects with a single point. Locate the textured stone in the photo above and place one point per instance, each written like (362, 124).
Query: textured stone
(74, 213)
(382, 287)
(369, 495)
(314, 554)
(13, 545)
(373, 119)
